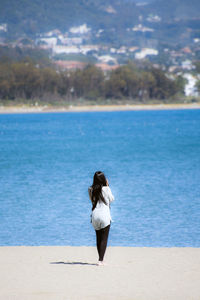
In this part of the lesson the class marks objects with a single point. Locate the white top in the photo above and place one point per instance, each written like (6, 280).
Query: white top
(101, 214)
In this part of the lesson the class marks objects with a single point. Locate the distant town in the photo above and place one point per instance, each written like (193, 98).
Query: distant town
(74, 49)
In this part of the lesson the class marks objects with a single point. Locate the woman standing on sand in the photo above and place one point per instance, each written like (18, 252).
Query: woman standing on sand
(101, 196)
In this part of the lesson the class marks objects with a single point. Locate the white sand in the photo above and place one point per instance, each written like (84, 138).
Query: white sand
(68, 273)
(45, 108)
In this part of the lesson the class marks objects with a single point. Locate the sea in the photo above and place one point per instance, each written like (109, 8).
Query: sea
(151, 159)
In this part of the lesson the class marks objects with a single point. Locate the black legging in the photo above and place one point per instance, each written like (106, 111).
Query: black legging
(102, 238)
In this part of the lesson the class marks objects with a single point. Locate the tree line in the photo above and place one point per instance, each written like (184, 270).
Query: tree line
(26, 80)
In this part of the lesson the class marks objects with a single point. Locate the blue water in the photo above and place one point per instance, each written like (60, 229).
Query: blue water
(152, 160)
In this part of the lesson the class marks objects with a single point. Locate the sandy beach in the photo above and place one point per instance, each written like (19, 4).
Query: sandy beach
(71, 108)
(68, 273)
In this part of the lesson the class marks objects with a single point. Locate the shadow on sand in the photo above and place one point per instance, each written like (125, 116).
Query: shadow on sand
(73, 263)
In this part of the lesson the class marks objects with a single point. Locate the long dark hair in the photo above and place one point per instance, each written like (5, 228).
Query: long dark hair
(99, 180)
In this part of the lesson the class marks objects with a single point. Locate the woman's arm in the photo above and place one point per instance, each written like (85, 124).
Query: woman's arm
(110, 195)
(106, 191)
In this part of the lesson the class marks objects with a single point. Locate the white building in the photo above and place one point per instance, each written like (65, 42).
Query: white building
(71, 41)
(3, 27)
(106, 58)
(113, 50)
(187, 65)
(110, 10)
(51, 33)
(87, 48)
(142, 28)
(99, 32)
(51, 41)
(190, 88)
(153, 18)
(58, 49)
(83, 29)
(121, 50)
(145, 52)
(132, 49)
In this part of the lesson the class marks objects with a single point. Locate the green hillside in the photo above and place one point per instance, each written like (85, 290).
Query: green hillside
(32, 17)
(175, 9)
(180, 19)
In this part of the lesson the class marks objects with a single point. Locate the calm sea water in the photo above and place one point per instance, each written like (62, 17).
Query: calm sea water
(152, 160)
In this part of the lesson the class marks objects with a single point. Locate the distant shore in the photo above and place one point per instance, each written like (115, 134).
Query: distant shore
(55, 273)
(92, 108)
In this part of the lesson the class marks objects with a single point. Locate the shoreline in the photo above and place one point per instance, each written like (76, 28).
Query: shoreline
(71, 273)
(95, 108)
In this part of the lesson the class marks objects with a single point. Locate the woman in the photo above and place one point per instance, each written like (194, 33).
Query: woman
(101, 196)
